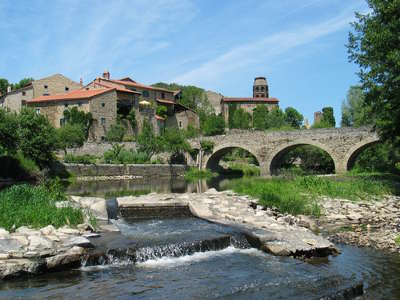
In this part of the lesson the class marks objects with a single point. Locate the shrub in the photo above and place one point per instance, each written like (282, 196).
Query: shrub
(207, 146)
(80, 159)
(119, 155)
(71, 136)
(115, 133)
(246, 169)
(25, 205)
(162, 111)
(194, 174)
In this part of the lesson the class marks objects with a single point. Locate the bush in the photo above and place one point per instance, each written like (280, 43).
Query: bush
(161, 111)
(194, 174)
(119, 155)
(115, 133)
(71, 136)
(80, 159)
(207, 146)
(25, 205)
(246, 169)
(8, 132)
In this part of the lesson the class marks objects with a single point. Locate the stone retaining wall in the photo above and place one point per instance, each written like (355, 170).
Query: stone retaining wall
(145, 170)
(96, 149)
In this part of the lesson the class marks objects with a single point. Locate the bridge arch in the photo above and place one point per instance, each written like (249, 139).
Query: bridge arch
(211, 161)
(275, 158)
(351, 156)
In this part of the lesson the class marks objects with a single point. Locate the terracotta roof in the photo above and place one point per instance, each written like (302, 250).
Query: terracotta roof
(118, 87)
(160, 118)
(251, 99)
(74, 95)
(165, 101)
(139, 85)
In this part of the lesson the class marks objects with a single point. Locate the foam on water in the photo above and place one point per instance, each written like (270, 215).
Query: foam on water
(168, 261)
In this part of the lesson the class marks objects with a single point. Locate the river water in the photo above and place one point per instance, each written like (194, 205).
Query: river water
(172, 265)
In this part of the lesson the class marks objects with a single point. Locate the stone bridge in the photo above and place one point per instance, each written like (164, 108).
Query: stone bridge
(342, 144)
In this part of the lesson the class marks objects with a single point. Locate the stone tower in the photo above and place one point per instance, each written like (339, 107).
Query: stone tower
(260, 88)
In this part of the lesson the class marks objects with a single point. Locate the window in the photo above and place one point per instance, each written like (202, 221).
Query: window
(103, 138)
(180, 124)
(45, 86)
(257, 88)
(103, 104)
(62, 122)
(79, 103)
(37, 110)
(66, 89)
(146, 94)
(257, 96)
(162, 95)
(103, 121)
(23, 93)
(46, 94)
(262, 88)
(66, 105)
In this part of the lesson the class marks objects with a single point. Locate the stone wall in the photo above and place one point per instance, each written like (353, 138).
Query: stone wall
(146, 170)
(56, 84)
(97, 149)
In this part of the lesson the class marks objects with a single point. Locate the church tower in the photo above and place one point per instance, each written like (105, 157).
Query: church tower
(260, 88)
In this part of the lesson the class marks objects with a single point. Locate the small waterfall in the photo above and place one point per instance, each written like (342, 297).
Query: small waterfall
(112, 208)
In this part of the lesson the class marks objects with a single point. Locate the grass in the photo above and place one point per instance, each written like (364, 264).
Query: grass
(34, 206)
(246, 169)
(194, 174)
(80, 159)
(300, 195)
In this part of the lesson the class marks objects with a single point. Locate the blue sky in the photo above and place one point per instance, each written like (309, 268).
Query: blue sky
(218, 45)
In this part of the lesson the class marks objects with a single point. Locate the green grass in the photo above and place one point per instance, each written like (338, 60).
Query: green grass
(194, 174)
(115, 194)
(397, 240)
(300, 195)
(34, 206)
(80, 159)
(246, 169)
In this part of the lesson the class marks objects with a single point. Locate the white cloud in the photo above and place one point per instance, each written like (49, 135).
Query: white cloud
(266, 49)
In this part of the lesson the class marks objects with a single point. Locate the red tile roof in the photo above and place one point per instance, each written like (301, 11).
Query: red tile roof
(165, 101)
(256, 100)
(139, 85)
(73, 95)
(117, 86)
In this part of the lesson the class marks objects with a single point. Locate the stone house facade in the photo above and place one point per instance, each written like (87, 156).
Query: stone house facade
(51, 85)
(260, 97)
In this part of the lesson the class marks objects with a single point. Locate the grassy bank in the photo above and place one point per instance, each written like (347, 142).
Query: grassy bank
(26, 205)
(300, 195)
(246, 169)
(195, 174)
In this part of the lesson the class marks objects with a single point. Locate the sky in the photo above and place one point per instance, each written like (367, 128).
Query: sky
(299, 45)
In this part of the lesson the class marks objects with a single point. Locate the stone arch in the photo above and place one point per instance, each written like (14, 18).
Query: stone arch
(212, 160)
(276, 156)
(352, 154)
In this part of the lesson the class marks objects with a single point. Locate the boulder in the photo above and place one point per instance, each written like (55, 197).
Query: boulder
(37, 243)
(78, 241)
(14, 267)
(48, 230)
(72, 256)
(10, 245)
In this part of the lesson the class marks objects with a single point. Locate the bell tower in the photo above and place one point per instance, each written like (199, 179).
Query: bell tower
(260, 88)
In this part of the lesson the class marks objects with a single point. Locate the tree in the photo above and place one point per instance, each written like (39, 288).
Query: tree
(23, 82)
(147, 142)
(213, 125)
(276, 118)
(8, 132)
(260, 117)
(74, 116)
(241, 119)
(174, 142)
(115, 133)
(162, 111)
(71, 136)
(374, 46)
(328, 117)
(3, 86)
(293, 118)
(37, 137)
(354, 110)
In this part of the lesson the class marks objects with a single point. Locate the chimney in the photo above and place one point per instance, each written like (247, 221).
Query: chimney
(106, 75)
(9, 89)
(81, 81)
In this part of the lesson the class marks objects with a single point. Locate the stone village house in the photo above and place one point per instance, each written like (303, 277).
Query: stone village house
(54, 84)
(105, 99)
(260, 97)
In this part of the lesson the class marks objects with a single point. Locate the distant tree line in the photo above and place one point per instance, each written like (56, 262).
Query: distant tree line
(14, 86)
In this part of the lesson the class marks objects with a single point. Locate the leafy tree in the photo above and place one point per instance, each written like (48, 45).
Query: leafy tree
(380, 157)
(191, 132)
(276, 118)
(174, 142)
(354, 110)
(328, 117)
(116, 132)
(23, 82)
(231, 112)
(241, 119)
(260, 117)
(293, 118)
(147, 142)
(37, 137)
(8, 132)
(213, 125)
(374, 46)
(74, 116)
(3, 86)
(162, 111)
(71, 136)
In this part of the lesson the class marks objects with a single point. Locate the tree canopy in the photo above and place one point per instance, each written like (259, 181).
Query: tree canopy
(293, 118)
(354, 110)
(374, 46)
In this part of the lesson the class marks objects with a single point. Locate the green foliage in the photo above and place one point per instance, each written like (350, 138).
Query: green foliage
(27, 164)
(3, 86)
(37, 138)
(191, 132)
(23, 82)
(8, 132)
(355, 112)
(328, 117)
(80, 159)
(119, 155)
(24, 205)
(116, 132)
(397, 240)
(374, 46)
(147, 142)
(231, 112)
(260, 117)
(293, 117)
(174, 142)
(162, 111)
(276, 118)
(212, 124)
(17, 167)
(246, 169)
(131, 117)
(207, 146)
(194, 174)
(73, 116)
(241, 119)
(71, 136)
